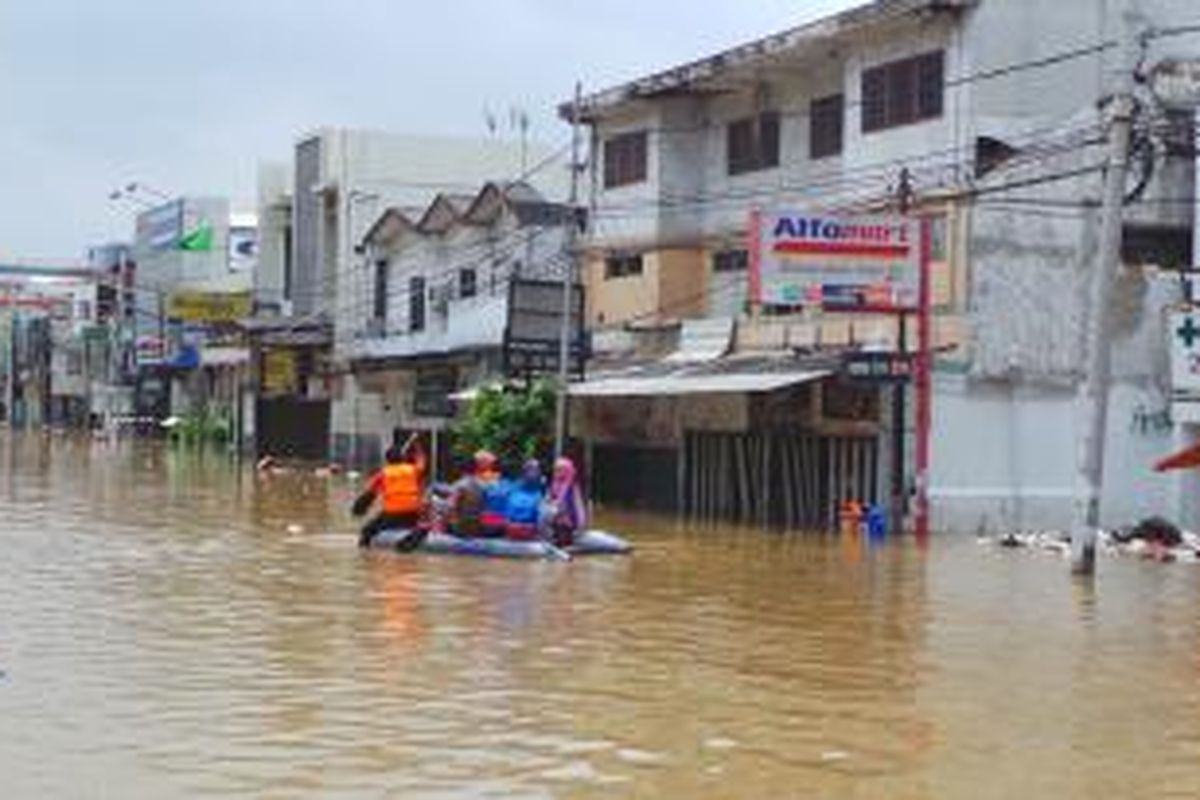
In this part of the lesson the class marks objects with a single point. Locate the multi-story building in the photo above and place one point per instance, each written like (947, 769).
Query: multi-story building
(439, 304)
(316, 282)
(990, 112)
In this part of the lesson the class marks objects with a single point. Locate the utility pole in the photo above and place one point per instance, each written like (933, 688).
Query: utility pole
(568, 287)
(904, 194)
(1098, 354)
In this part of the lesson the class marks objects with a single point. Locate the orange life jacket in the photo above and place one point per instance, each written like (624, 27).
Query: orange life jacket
(402, 489)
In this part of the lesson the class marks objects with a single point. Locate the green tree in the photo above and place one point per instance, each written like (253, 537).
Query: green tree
(514, 422)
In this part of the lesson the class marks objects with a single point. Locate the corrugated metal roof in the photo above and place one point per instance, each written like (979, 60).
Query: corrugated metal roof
(688, 384)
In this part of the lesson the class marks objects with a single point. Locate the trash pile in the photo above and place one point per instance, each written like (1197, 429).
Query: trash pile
(1153, 539)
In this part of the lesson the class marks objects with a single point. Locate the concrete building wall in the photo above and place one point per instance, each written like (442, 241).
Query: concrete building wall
(275, 192)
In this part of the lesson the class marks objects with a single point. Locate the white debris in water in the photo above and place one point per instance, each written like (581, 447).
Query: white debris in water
(721, 743)
(1107, 543)
(640, 758)
(575, 771)
(832, 756)
(295, 530)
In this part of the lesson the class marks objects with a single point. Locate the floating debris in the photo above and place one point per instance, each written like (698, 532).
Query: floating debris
(833, 756)
(295, 530)
(1148, 541)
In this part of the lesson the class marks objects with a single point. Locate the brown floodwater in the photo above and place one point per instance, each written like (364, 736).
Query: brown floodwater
(164, 634)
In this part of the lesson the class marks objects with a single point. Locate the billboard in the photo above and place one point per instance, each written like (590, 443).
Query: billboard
(835, 262)
(210, 307)
(161, 227)
(532, 338)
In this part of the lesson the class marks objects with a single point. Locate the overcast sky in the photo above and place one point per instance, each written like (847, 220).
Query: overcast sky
(190, 97)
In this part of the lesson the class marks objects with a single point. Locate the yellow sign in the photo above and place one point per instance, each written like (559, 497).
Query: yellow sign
(210, 307)
(279, 372)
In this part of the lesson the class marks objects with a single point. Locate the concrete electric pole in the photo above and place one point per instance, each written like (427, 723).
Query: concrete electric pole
(1097, 378)
(564, 343)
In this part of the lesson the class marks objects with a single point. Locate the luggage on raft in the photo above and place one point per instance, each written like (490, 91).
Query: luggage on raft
(589, 543)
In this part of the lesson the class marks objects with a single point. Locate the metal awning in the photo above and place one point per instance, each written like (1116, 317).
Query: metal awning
(685, 384)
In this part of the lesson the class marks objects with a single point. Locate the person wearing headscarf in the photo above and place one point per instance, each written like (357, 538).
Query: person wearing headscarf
(566, 513)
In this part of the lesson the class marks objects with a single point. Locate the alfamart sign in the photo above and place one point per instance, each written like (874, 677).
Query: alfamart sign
(870, 263)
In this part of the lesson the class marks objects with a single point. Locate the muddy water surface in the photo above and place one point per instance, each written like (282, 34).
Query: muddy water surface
(163, 634)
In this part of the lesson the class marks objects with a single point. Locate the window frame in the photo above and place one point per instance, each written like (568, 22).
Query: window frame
(906, 91)
(416, 304)
(826, 126)
(626, 159)
(753, 144)
(380, 298)
(468, 277)
(621, 265)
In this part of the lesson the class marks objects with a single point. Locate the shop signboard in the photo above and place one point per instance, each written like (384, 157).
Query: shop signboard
(210, 308)
(1184, 334)
(835, 262)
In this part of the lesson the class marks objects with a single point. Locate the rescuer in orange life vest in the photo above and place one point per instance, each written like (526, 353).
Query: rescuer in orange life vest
(401, 486)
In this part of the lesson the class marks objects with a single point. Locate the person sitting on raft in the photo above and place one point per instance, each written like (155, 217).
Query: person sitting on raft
(467, 497)
(400, 484)
(495, 494)
(565, 514)
(522, 511)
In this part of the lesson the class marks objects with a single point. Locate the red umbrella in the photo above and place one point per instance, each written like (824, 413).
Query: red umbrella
(1188, 458)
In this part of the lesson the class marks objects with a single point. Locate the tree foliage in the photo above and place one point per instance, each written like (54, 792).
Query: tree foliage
(514, 422)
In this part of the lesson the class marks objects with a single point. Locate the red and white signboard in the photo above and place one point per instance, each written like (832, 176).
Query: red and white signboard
(844, 263)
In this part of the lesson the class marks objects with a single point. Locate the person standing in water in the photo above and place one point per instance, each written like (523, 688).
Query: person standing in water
(565, 514)
(401, 486)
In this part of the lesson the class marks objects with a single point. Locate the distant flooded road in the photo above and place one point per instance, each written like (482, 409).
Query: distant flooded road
(163, 634)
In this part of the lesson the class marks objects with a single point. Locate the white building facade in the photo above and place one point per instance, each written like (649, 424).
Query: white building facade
(990, 109)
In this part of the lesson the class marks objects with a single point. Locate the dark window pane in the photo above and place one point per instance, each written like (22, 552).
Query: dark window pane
(740, 146)
(622, 266)
(625, 159)
(930, 85)
(903, 92)
(768, 140)
(416, 304)
(381, 290)
(731, 261)
(874, 107)
(826, 126)
(753, 143)
(466, 282)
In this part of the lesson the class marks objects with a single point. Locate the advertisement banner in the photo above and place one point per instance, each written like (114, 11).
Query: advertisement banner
(835, 262)
(210, 307)
(160, 228)
(243, 248)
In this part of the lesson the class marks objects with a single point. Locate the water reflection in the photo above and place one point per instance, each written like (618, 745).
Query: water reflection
(162, 633)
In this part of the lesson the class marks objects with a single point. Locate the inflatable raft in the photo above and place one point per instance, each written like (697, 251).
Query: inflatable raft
(591, 543)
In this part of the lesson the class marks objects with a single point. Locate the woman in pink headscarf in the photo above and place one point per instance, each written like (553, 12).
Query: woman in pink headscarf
(567, 515)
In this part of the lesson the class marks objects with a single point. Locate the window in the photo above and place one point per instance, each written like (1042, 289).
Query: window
(903, 92)
(416, 304)
(731, 261)
(753, 143)
(381, 291)
(467, 286)
(625, 159)
(825, 117)
(622, 266)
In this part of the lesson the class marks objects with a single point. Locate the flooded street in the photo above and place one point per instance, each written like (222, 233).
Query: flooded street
(163, 634)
